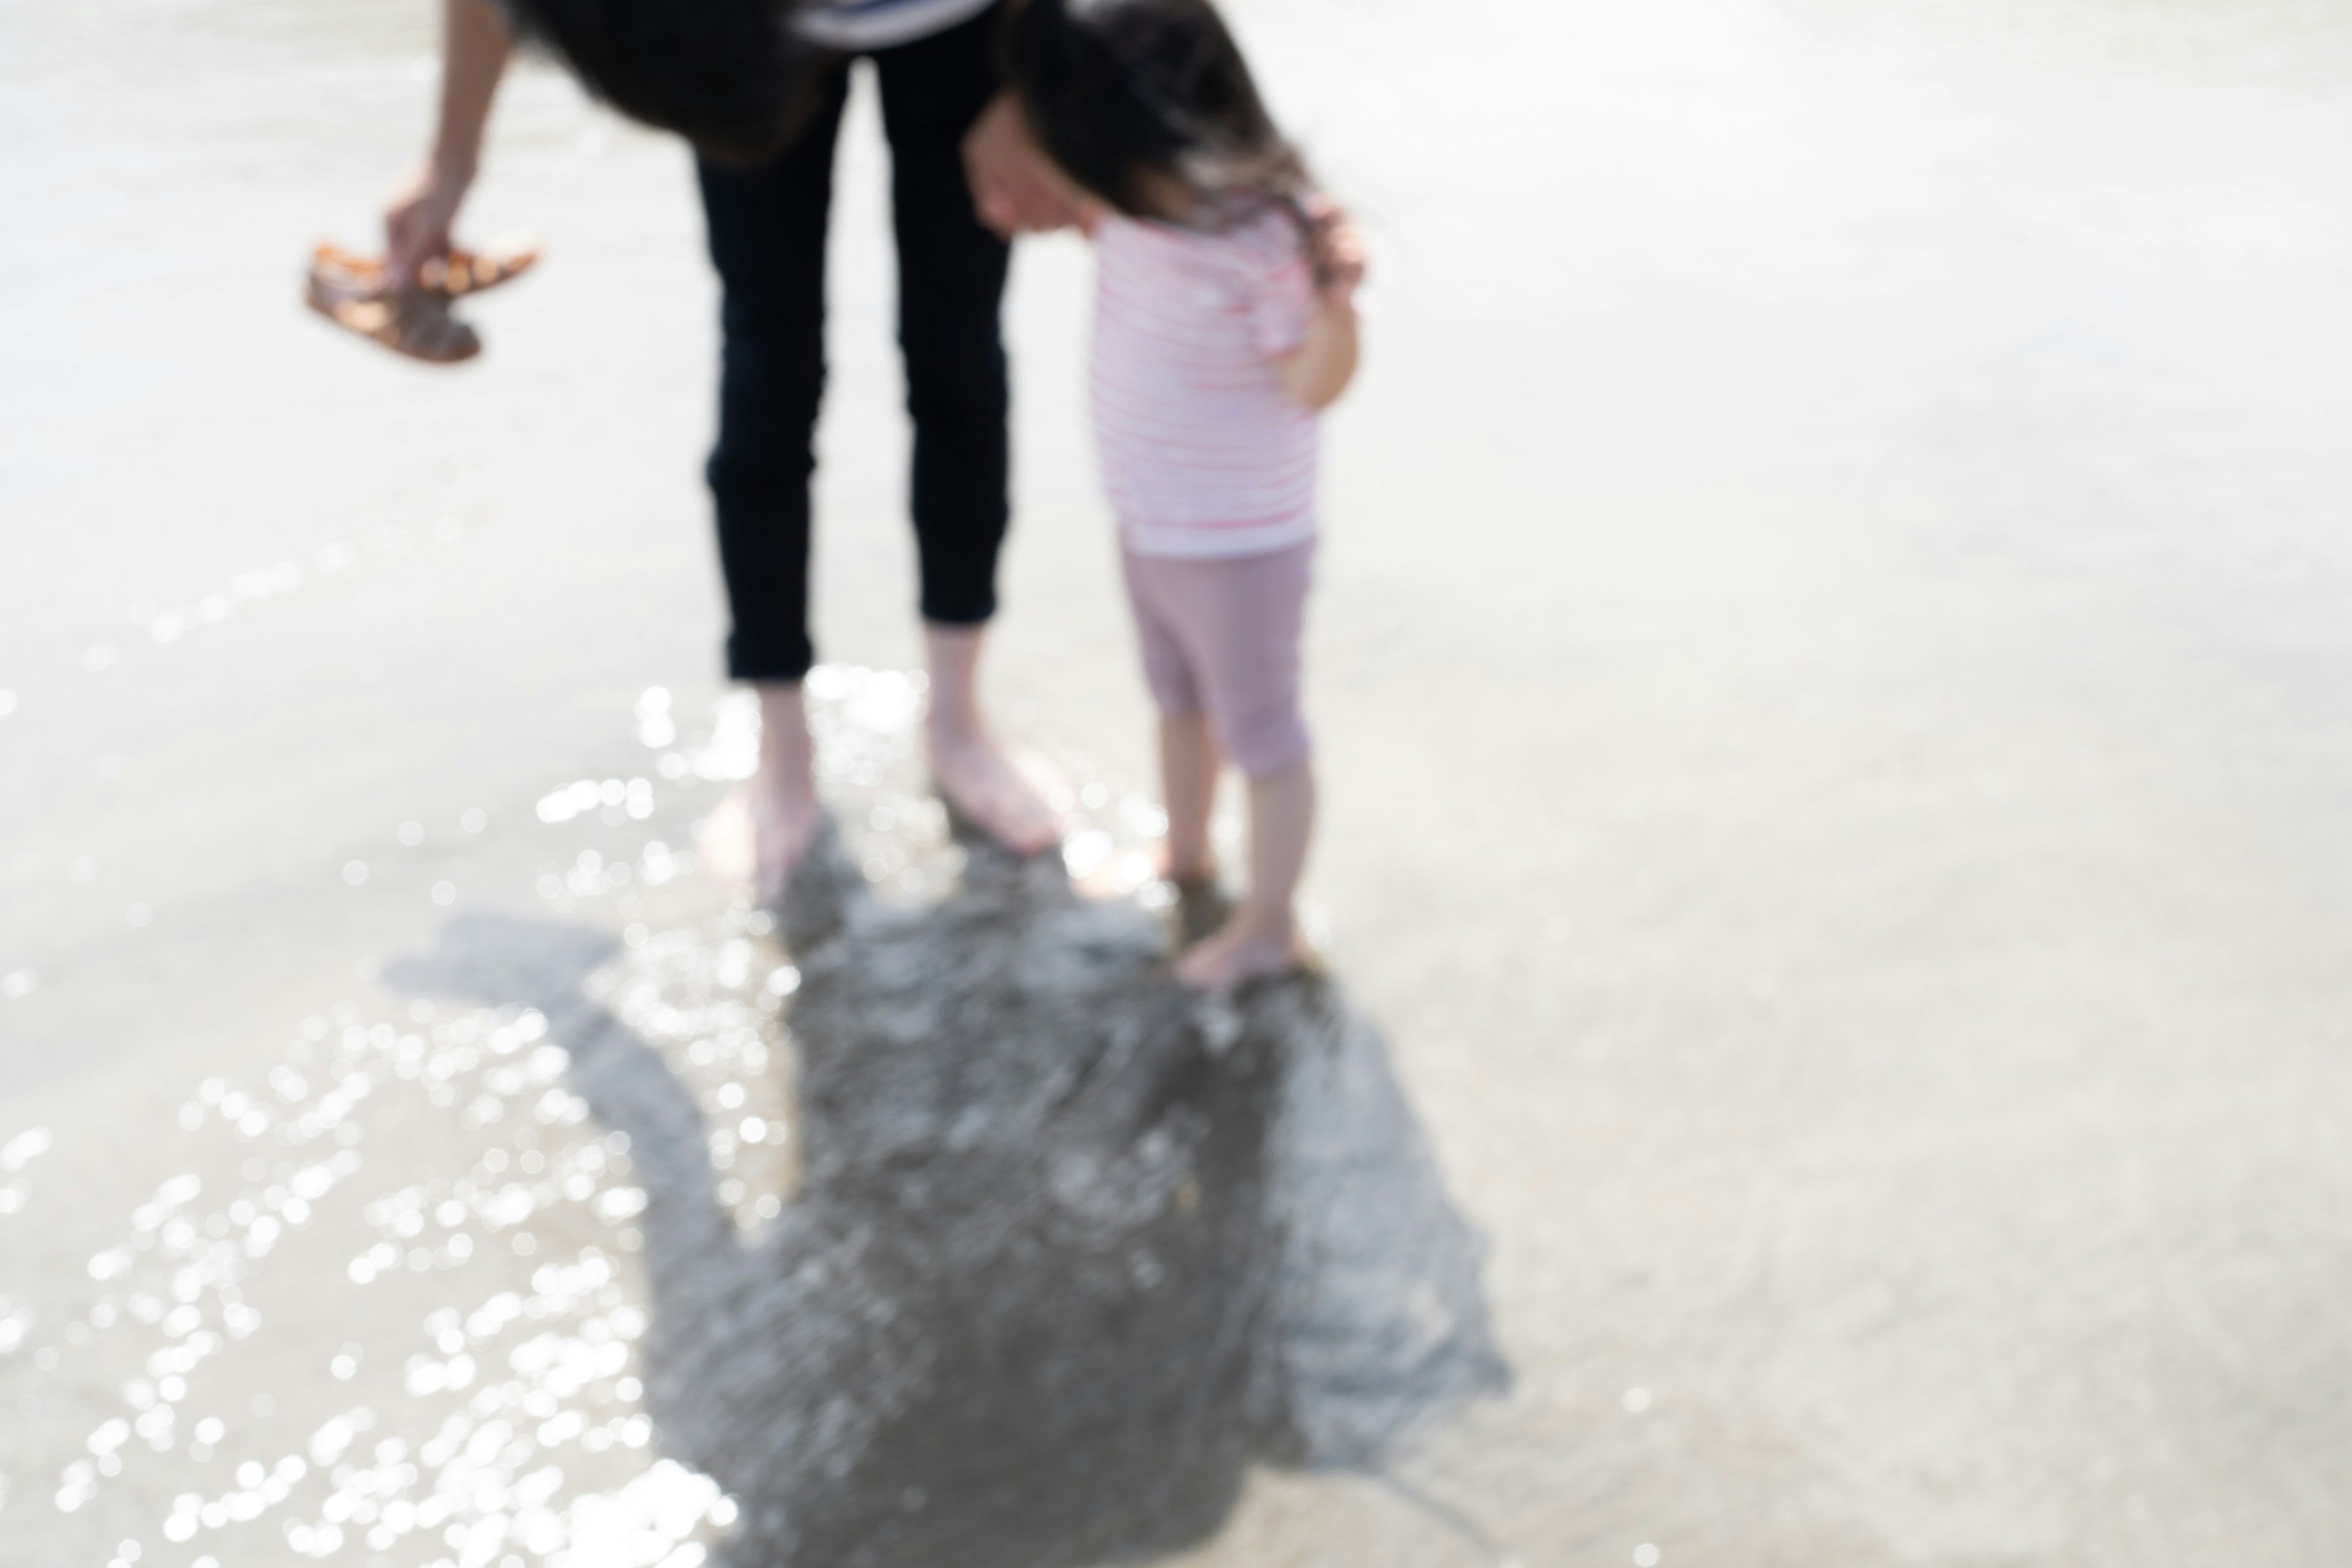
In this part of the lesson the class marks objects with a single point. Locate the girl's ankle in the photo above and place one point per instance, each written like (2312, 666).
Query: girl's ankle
(1188, 869)
(1265, 928)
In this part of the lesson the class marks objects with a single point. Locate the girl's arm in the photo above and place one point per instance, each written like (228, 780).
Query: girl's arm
(1319, 370)
(474, 49)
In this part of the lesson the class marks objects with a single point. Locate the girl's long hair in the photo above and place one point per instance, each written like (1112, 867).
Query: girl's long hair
(1117, 90)
(734, 77)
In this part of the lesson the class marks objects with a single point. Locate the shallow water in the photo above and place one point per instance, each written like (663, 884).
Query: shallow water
(950, 1230)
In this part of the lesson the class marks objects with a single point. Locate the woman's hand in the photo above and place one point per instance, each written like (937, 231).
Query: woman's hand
(1012, 186)
(416, 221)
(474, 48)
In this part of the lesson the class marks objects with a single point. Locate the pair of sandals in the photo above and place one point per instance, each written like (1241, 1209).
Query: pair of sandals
(355, 293)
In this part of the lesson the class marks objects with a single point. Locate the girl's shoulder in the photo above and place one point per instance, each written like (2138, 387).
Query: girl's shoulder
(1270, 236)
(1267, 240)
(1265, 251)
(1144, 242)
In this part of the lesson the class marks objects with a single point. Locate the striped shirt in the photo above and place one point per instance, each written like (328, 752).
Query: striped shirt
(1203, 454)
(857, 25)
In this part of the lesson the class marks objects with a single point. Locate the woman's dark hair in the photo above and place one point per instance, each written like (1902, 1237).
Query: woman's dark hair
(734, 77)
(1116, 90)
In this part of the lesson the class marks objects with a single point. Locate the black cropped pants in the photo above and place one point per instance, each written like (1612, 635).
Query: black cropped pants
(767, 227)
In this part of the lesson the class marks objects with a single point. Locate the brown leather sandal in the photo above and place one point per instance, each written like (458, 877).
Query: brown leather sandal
(453, 276)
(412, 323)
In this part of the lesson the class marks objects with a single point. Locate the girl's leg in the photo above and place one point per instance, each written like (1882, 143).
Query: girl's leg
(1159, 593)
(1188, 763)
(1262, 938)
(1246, 618)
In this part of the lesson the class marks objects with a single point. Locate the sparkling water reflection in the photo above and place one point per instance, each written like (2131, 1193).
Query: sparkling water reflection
(416, 1202)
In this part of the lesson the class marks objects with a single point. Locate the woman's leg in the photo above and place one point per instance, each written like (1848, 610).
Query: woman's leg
(767, 231)
(951, 273)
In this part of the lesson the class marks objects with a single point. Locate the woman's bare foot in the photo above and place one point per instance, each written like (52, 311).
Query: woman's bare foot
(975, 777)
(764, 829)
(979, 782)
(757, 836)
(1245, 948)
(784, 823)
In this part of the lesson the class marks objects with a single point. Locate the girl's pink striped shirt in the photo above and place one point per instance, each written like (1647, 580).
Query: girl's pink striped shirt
(1203, 454)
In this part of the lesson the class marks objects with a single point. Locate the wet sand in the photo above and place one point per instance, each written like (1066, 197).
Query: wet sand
(1829, 668)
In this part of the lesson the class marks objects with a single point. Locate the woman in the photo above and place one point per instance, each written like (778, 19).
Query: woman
(759, 87)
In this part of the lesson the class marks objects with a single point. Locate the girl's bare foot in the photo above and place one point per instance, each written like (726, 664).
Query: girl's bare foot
(1202, 906)
(1194, 872)
(1243, 949)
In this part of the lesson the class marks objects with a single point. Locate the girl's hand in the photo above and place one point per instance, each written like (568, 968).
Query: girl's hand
(1336, 250)
(1316, 371)
(1339, 261)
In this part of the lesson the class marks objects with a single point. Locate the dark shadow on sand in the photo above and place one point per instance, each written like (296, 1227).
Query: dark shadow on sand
(1072, 1247)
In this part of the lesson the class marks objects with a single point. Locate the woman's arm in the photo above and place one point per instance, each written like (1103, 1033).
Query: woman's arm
(474, 49)
(1013, 184)
(1316, 371)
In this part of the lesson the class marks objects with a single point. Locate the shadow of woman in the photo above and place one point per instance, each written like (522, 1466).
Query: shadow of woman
(1072, 1247)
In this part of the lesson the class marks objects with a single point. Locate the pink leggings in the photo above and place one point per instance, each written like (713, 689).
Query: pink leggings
(1221, 637)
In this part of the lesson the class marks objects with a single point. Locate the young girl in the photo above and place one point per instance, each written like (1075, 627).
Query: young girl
(1224, 321)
